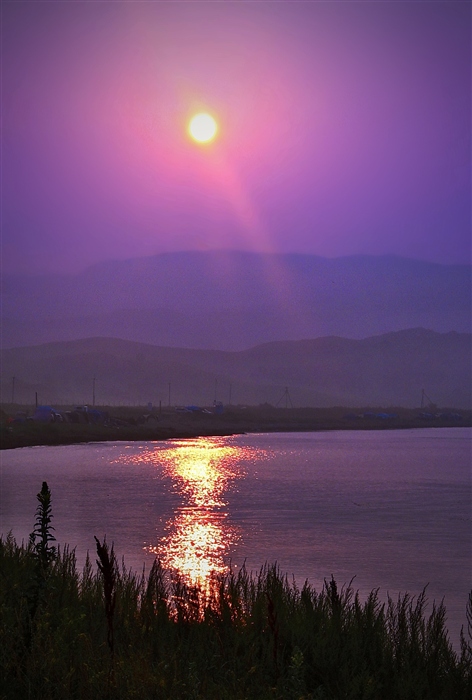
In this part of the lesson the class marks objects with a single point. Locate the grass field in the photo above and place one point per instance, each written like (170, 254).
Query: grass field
(106, 633)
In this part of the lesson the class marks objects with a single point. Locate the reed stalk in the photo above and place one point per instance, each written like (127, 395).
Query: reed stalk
(109, 633)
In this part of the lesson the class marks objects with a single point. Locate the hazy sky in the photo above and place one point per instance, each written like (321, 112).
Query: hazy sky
(344, 128)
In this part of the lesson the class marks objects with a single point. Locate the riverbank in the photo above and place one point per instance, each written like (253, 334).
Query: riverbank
(139, 424)
(111, 634)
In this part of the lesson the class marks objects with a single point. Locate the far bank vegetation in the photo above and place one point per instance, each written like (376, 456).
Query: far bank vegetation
(18, 429)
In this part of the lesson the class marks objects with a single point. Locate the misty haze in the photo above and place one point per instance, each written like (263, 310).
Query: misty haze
(236, 350)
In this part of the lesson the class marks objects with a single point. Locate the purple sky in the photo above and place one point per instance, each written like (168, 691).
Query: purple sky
(344, 128)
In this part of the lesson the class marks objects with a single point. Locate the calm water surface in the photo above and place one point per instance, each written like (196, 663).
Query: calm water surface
(392, 508)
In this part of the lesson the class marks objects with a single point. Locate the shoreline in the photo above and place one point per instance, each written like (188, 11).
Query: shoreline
(237, 421)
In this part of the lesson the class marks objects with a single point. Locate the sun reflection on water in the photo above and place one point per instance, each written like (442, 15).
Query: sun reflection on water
(197, 544)
(199, 537)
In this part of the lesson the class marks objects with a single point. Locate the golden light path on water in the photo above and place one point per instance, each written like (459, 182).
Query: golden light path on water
(199, 536)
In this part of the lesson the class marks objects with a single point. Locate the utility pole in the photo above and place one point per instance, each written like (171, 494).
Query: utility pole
(216, 387)
(287, 398)
(13, 390)
(424, 396)
(93, 392)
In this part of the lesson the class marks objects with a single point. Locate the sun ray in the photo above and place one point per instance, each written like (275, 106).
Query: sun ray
(253, 230)
(222, 176)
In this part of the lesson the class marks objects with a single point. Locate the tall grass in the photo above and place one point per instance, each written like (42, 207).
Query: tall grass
(107, 633)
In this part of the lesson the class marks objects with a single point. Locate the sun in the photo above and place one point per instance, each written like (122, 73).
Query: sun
(202, 127)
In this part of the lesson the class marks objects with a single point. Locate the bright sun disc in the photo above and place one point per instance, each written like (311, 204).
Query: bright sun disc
(202, 127)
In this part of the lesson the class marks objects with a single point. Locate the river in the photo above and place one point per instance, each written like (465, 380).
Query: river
(390, 508)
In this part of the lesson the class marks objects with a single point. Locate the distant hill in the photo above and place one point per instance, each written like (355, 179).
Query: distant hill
(235, 300)
(384, 370)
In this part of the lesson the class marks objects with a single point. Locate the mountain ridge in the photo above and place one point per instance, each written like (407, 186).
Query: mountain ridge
(386, 370)
(234, 300)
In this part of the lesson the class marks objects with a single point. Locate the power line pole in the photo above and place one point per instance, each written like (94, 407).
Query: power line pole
(424, 396)
(287, 398)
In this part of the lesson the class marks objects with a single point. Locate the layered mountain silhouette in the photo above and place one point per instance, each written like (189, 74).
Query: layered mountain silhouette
(386, 370)
(236, 300)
